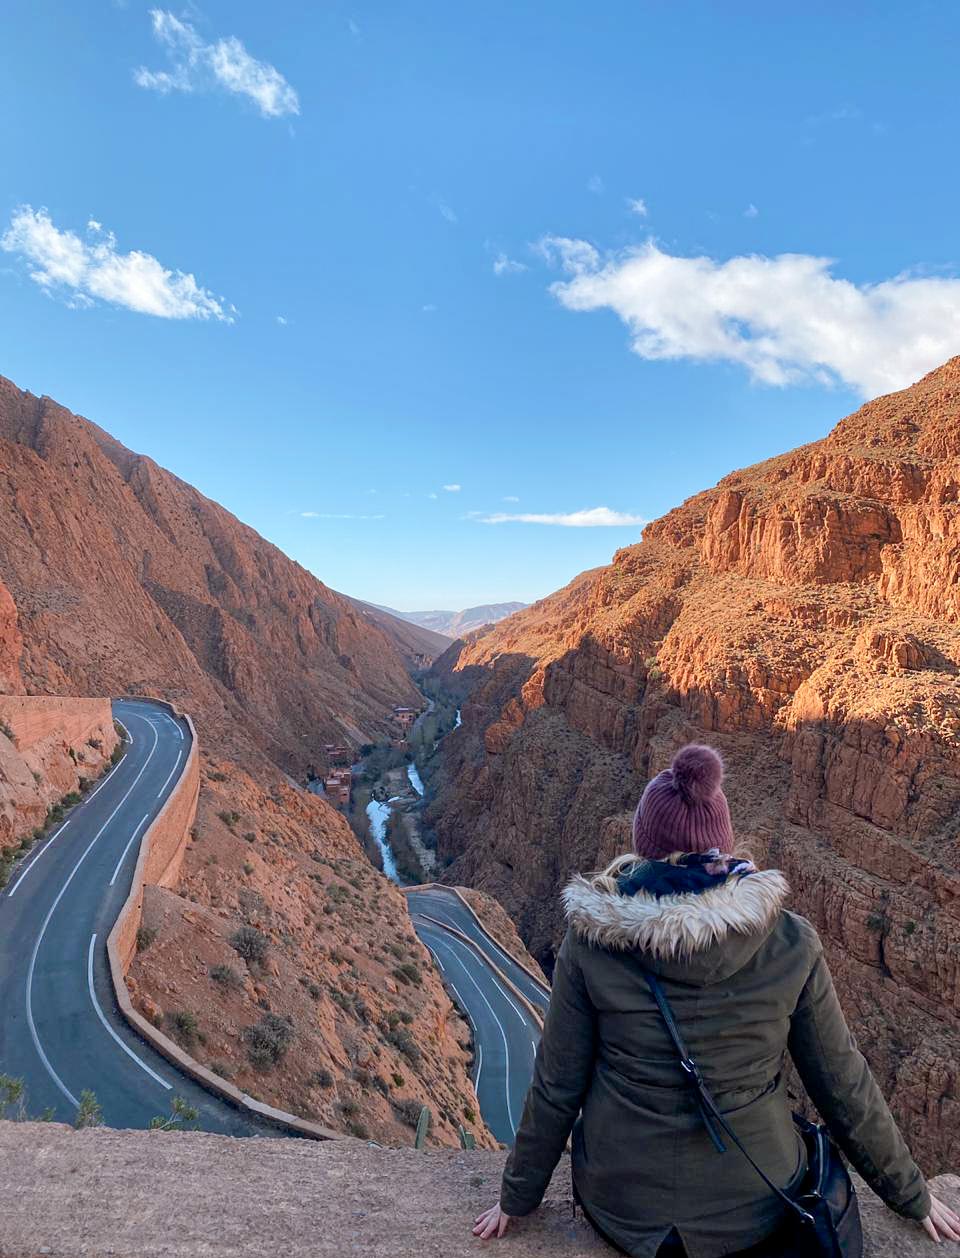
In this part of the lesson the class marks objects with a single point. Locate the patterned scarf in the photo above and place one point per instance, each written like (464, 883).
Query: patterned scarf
(693, 872)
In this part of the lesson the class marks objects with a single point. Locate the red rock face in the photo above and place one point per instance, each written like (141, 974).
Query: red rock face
(11, 644)
(128, 580)
(803, 616)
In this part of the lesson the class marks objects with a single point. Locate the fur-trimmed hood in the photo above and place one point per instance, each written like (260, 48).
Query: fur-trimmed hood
(677, 928)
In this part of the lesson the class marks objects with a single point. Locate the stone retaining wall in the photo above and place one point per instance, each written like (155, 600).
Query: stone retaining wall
(161, 855)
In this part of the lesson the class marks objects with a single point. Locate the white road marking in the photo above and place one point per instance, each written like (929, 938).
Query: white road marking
(170, 774)
(466, 1009)
(26, 869)
(49, 843)
(96, 1004)
(506, 1045)
(127, 848)
(476, 1082)
(46, 922)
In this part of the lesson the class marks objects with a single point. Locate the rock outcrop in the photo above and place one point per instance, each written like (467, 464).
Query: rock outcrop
(140, 1194)
(803, 616)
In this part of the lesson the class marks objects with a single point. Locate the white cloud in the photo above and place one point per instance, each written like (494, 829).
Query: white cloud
(595, 185)
(338, 515)
(751, 211)
(94, 226)
(430, 308)
(452, 489)
(87, 269)
(502, 265)
(637, 205)
(433, 495)
(198, 66)
(448, 213)
(283, 321)
(511, 498)
(786, 319)
(589, 518)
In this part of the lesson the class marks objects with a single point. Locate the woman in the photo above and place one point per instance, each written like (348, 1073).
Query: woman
(747, 982)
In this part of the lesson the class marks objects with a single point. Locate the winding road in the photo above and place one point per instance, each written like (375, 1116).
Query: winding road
(61, 1031)
(505, 1032)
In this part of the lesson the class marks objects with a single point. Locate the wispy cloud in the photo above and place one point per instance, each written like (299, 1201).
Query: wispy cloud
(283, 321)
(589, 518)
(84, 271)
(338, 515)
(502, 265)
(511, 498)
(751, 211)
(452, 489)
(429, 308)
(446, 210)
(595, 185)
(432, 495)
(637, 205)
(786, 319)
(200, 66)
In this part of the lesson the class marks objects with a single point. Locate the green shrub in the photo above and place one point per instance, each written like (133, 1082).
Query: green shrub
(145, 937)
(229, 818)
(398, 1080)
(13, 1097)
(349, 1108)
(181, 1117)
(403, 1041)
(407, 1109)
(216, 776)
(183, 1027)
(250, 836)
(251, 944)
(322, 1079)
(358, 1130)
(268, 1040)
(7, 731)
(408, 973)
(225, 975)
(89, 1113)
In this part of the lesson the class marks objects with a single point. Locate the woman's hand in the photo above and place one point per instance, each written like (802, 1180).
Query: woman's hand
(494, 1222)
(941, 1224)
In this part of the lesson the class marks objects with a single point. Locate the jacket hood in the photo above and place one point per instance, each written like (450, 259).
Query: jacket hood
(700, 937)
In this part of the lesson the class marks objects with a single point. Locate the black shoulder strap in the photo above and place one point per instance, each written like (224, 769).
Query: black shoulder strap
(713, 1119)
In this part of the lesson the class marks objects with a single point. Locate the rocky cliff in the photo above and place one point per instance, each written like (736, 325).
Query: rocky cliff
(118, 578)
(803, 616)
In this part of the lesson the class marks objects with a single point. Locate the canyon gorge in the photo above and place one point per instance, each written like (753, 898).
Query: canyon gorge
(116, 578)
(803, 616)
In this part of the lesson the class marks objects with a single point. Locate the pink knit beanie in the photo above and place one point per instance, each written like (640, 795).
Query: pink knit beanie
(684, 808)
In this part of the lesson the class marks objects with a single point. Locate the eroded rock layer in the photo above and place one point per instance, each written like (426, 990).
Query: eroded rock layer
(803, 616)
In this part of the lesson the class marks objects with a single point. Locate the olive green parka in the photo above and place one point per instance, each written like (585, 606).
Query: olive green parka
(748, 983)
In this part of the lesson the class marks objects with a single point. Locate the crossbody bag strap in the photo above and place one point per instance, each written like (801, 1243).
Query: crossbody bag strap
(710, 1112)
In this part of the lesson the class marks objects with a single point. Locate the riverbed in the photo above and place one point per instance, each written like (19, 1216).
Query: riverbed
(378, 811)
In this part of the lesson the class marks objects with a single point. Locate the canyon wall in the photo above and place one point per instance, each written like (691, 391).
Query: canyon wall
(47, 747)
(804, 617)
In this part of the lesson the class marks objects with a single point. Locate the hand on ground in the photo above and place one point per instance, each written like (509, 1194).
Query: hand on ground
(941, 1224)
(493, 1222)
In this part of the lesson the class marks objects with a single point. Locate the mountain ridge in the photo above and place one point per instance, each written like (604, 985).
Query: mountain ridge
(456, 624)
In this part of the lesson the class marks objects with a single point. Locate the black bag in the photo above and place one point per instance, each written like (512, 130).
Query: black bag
(823, 1218)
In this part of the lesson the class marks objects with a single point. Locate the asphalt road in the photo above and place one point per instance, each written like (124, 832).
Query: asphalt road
(60, 1030)
(505, 1033)
(445, 907)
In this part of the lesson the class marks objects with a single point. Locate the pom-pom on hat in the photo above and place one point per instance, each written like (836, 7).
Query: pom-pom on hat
(684, 808)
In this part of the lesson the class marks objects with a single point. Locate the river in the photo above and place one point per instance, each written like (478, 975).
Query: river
(379, 814)
(415, 779)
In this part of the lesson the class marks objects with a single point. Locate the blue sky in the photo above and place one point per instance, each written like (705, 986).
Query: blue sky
(567, 257)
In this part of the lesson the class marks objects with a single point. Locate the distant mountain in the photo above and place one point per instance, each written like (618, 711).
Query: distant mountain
(457, 624)
(411, 640)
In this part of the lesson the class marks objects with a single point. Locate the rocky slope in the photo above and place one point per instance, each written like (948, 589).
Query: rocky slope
(411, 640)
(127, 579)
(118, 578)
(804, 616)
